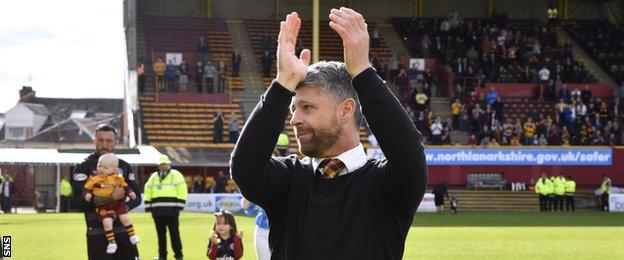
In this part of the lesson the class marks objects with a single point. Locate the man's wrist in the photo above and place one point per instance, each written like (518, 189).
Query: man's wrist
(359, 69)
(290, 85)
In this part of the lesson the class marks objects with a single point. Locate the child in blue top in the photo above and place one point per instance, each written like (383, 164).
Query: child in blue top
(261, 233)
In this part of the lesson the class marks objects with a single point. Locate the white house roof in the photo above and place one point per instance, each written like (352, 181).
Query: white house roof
(38, 109)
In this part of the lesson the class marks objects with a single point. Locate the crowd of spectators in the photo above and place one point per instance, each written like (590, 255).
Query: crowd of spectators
(221, 183)
(205, 76)
(503, 51)
(576, 119)
(493, 50)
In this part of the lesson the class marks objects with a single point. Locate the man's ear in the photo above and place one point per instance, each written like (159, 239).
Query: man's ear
(347, 110)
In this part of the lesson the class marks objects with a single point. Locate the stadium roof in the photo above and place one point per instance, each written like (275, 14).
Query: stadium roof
(71, 130)
(92, 107)
(143, 155)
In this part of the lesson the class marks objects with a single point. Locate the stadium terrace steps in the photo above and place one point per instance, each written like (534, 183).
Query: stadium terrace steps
(520, 108)
(249, 70)
(185, 124)
(507, 200)
(585, 58)
(390, 35)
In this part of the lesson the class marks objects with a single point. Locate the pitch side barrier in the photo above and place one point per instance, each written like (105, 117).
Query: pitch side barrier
(560, 156)
(214, 202)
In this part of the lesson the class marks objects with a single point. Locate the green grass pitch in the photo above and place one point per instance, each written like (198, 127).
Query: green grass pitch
(487, 235)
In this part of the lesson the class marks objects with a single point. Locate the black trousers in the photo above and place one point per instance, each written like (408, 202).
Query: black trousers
(6, 204)
(552, 203)
(605, 201)
(559, 202)
(198, 83)
(96, 247)
(170, 222)
(65, 203)
(569, 202)
(543, 202)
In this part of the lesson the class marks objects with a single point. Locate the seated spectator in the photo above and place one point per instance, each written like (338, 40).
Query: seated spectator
(463, 123)
(448, 125)
(446, 137)
(484, 133)
(436, 132)
(491, 96)
(209, 184)
(456, 109)
(421, 101)
(598, 139)
(402, 81)
(549, 93)
(472, 140)
(198, 184)
(529, 131)
(564, 93)
(485, 142)
(544, 75)
(499, 107)
(542, 140)
(576, 95)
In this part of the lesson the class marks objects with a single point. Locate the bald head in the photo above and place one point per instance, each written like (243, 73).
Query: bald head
(107, 164)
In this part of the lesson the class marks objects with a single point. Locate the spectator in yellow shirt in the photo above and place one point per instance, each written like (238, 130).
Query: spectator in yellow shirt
(209, 184)
(456, 108)
(159, 69)
(529, 131)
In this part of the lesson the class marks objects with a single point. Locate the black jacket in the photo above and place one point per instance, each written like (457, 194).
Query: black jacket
(316, 218)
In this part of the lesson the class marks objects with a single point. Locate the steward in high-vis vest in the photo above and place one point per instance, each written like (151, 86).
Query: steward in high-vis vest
(66, 193)
(570, 189)
(559, 190)
(542, 188)
(165, 196)
(605, 187)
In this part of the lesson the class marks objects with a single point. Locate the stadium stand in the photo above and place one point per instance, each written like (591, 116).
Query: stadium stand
(511, 51)
(603, 40)
(180, 35)
(182, 124)
(263, 35)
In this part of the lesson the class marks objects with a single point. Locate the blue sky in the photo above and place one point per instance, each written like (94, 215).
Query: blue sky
(62, 48)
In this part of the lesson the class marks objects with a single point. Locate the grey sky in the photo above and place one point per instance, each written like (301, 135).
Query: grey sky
(70, 48)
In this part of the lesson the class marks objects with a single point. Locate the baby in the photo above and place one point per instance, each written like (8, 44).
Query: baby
(100, 187)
